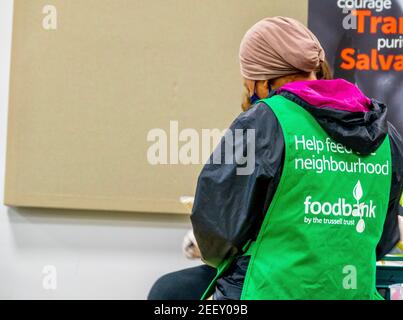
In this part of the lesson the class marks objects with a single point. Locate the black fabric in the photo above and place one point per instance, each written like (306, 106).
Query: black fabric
(229, 286)
(391, 233)
(187, 284)
(229, 208)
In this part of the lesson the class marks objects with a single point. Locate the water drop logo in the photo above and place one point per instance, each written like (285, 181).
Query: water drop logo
(358, 193)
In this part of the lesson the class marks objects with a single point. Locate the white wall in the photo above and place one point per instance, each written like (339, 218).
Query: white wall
(96, 255)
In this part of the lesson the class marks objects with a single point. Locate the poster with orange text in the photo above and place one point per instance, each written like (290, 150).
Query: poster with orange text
(363, 40)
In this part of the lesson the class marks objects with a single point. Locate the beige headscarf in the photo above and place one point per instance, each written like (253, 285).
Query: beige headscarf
(279, 46)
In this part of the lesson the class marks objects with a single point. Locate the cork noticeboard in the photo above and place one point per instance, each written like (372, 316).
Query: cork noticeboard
(91, 78)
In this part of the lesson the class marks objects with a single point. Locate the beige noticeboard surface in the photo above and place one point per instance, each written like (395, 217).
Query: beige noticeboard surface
(83, 97)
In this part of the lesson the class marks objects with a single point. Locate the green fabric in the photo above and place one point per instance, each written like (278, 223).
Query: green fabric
(313, 243)
(220, 270)
(304, 251)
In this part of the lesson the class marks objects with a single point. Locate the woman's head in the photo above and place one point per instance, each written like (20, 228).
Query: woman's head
(276, 51)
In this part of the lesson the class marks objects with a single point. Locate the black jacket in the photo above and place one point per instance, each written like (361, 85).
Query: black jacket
(229, 208)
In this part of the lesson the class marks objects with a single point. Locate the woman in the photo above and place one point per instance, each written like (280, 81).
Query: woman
(310, 220)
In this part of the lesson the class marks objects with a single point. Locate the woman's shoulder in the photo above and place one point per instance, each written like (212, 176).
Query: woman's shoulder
(258, 116)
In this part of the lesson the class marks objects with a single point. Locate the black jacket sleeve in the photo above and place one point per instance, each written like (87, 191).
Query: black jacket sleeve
(230, 205)
(391, 234)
